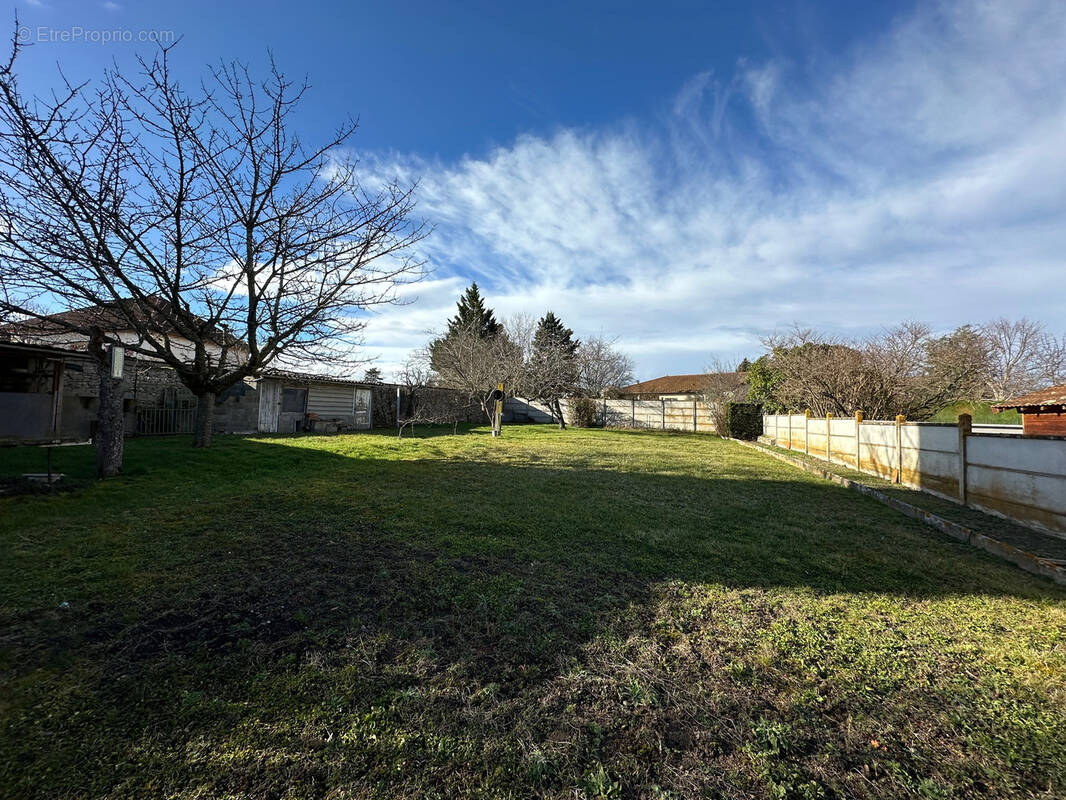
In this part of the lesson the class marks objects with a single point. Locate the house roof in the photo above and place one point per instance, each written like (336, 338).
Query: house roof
(1052, 399)
(108, 316)
(673, 384)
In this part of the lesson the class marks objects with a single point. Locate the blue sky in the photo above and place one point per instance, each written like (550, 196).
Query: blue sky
(686, 176)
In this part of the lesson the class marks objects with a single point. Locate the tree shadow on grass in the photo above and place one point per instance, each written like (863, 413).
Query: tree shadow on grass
(370, 627)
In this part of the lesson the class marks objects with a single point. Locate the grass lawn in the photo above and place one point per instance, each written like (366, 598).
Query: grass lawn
(562, 614)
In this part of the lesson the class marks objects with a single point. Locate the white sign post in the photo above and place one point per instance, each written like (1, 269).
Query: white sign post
(118, 359)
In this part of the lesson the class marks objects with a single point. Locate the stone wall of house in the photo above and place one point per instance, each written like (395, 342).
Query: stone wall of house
(149, 385)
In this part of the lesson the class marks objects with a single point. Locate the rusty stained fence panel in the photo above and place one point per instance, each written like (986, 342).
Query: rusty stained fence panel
(992, 468)
(1018, 477)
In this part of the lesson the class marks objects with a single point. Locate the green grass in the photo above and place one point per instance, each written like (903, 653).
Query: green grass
(982, 413)
(559, 614)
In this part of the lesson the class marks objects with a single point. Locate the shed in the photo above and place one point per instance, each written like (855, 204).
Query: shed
(290, 402)
(1043, 412)
(31, 392)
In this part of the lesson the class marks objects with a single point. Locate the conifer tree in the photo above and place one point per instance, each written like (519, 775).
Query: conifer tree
(552, 371)
(473, 320)
(473, 315)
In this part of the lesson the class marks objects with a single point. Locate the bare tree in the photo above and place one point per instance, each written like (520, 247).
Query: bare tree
(426, 403)
(724, 385)
(473, 365)
(902, 370)
(602, 366)
(1015, 348)
(1050, 360)
(198, 220)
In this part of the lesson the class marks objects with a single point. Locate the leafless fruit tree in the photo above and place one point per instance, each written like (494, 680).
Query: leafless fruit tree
(199, 219)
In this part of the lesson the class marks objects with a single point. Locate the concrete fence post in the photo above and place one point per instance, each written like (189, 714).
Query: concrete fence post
(633, 413)
(828, 437)
(965, 428)
(858, 440)
(789, 445)
(900, 419)
(807, 431)
(694, 416)
(662, 402)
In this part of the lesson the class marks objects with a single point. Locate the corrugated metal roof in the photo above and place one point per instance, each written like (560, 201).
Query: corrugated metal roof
(312, 377)
(1050, 398)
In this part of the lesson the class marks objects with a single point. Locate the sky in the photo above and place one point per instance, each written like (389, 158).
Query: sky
(687, 177)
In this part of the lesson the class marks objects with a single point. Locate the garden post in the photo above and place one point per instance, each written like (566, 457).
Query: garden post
(858, 441)
(965, 427)
(789, 445)
(662, 402)
(807, 431)
(899, 448)
(633, 414)
(828, 437)
(693, 415)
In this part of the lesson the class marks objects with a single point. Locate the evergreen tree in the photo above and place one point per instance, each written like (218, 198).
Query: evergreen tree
(473, 319)
(744, 366)
(553, 363)
(473, 315)
(372, 375)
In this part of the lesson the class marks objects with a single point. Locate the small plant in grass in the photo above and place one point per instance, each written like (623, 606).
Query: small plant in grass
(598, 784)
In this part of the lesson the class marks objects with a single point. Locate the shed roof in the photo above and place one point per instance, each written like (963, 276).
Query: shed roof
(311, 377)
(1051, 399)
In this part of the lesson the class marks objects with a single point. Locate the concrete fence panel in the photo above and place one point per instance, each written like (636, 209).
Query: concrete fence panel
(1021, 478)
(993, 468)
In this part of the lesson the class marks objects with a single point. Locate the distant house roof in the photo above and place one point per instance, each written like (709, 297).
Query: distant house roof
(109, 317)
(1052, 399)
(672, 384)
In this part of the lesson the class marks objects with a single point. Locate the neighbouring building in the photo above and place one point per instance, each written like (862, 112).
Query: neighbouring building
(49, 389)
(1043, 412)
(672, 387)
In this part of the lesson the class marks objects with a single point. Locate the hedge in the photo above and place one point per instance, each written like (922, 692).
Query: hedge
(743, 420)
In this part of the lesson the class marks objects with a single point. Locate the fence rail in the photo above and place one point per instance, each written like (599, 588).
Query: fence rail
(990, 467)
(165, 421)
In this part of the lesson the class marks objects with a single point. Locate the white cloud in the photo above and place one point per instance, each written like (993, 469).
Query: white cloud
(922, 175)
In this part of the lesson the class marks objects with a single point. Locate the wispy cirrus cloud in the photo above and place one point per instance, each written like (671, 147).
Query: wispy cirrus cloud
(922, 175)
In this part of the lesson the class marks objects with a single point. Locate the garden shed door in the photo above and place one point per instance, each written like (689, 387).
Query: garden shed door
(269, 402)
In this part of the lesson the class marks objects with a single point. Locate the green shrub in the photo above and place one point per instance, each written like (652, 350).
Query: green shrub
(583, 412)
(743, 420)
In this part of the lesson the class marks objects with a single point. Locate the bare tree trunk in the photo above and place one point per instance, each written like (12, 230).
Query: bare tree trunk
(205, 418)
(559, 413)
(110, 424)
